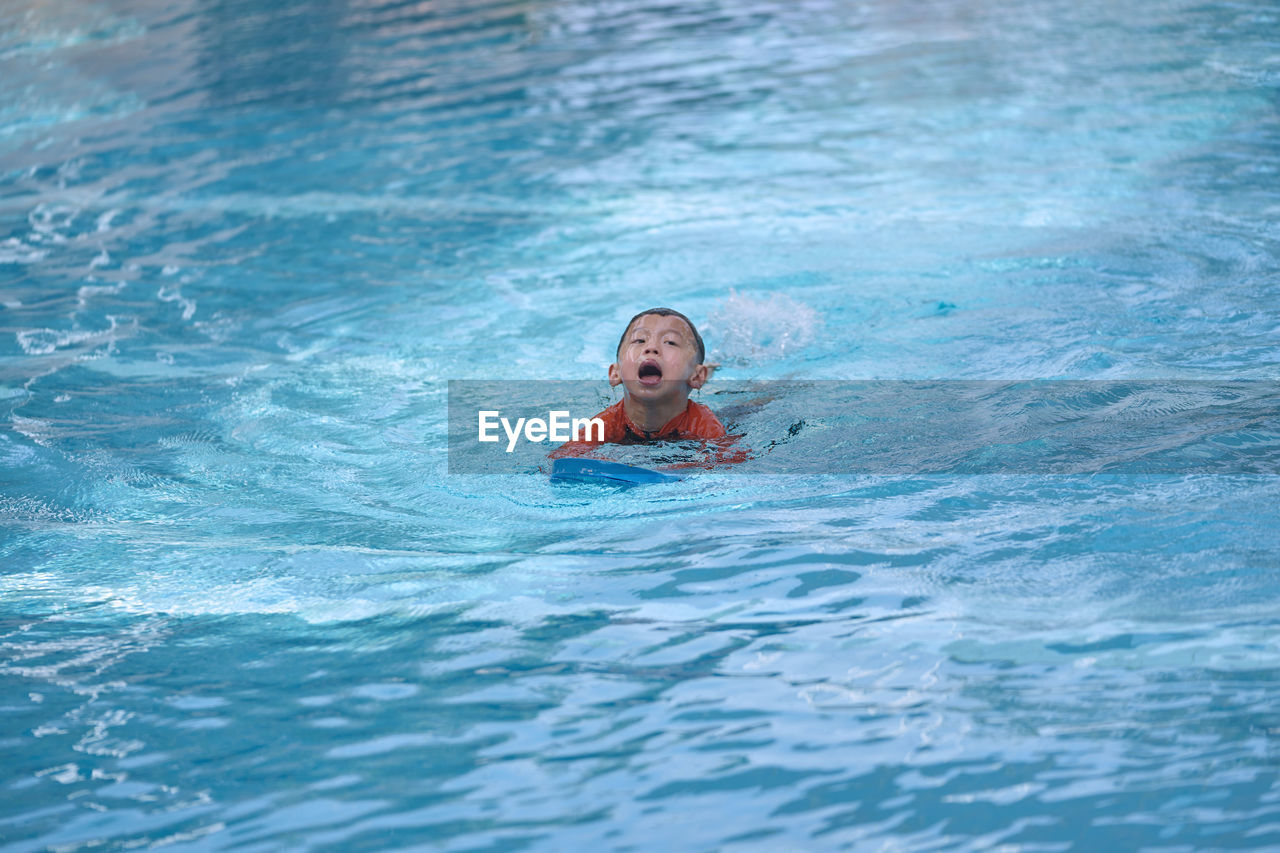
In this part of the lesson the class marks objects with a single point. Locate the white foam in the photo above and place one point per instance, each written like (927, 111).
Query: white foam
(48, 341)
(754, 330)
(51, 26)
(15, 251)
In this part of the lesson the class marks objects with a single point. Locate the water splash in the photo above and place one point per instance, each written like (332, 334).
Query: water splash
(753, 330)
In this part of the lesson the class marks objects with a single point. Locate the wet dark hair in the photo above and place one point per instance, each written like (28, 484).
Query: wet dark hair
(665, 312)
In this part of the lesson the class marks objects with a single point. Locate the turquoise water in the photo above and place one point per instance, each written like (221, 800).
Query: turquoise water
(244, 246)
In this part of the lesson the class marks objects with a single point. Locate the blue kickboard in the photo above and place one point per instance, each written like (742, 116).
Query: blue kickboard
(599, 471)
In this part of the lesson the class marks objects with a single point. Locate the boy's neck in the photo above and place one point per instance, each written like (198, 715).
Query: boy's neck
(651, 417)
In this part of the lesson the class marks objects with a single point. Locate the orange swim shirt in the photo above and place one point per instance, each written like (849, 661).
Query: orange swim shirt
(695, 422)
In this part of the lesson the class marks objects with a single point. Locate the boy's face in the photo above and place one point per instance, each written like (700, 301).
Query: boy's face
(658, 359)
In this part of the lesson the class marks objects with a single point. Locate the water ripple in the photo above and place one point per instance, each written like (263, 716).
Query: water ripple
(243, 247)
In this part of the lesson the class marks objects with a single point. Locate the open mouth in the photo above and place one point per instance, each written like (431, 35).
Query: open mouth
(650, 373)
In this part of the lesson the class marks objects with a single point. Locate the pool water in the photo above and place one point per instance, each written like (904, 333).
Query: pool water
(244, 246)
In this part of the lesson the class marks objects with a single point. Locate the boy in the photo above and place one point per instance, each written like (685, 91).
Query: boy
(658, 362)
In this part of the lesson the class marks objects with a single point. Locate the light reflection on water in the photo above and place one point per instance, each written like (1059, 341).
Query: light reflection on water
(243, 248)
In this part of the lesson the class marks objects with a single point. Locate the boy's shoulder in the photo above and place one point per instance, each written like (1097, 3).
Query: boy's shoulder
(698, 421)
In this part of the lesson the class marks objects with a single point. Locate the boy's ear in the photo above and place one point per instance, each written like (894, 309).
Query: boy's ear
(699, 377)
(615, 375)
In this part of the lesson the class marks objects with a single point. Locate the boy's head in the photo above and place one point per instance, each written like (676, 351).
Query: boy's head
(665, 312)
(659, 356)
